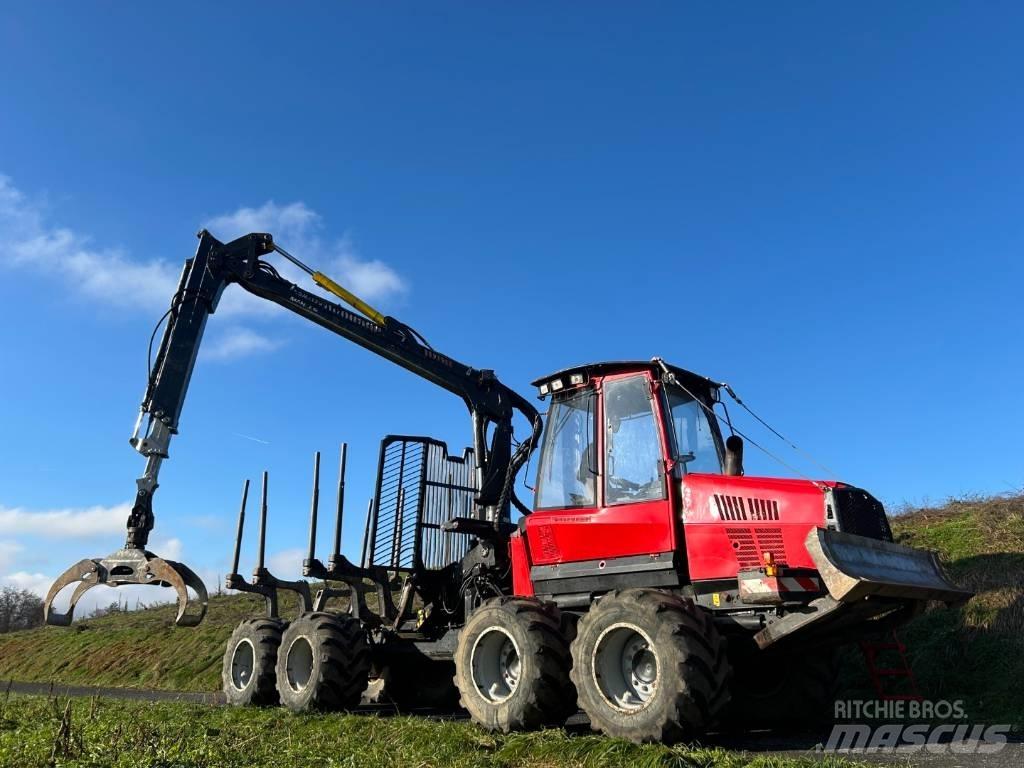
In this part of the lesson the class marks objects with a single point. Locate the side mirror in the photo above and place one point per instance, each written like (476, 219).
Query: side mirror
(734, 456)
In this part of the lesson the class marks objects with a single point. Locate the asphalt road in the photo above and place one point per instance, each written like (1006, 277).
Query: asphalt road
(958, 754)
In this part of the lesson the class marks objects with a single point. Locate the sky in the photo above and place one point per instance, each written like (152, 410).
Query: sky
(818, 203)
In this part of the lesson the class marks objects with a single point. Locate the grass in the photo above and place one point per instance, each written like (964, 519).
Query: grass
(40, 731)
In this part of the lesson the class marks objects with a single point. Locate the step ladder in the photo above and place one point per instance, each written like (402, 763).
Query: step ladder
(893, 666)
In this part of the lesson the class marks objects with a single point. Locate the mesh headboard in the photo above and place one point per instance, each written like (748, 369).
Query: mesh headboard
(420, 487)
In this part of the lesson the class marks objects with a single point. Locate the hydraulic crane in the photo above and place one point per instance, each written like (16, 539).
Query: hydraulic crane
(204, 278)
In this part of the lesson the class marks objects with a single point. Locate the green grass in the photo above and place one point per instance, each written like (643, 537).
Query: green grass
(40, 731)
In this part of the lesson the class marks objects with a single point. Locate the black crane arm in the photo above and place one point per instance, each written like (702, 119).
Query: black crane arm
(217, 265)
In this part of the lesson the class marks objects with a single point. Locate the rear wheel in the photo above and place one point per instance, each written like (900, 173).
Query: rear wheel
(323, 663)
(649, 666)
(248, 674)
(512, 666)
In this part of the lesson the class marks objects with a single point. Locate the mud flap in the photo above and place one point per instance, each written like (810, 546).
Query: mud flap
(871, 584)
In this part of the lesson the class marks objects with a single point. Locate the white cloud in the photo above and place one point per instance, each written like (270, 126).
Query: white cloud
(105, 274)
(8, 551)
(168, 549)
(284, 222)
(287, 564)
(295, 228)
(237, 342)
(110, 275)
(64, 523)
(33, 582)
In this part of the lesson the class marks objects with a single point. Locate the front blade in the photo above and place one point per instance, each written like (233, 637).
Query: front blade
(855, 567)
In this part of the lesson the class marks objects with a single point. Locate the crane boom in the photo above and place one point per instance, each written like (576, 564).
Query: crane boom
(214, 267)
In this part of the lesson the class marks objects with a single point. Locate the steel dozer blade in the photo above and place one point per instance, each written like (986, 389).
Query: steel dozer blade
(130, 566)
(855, 567)
(872, 586)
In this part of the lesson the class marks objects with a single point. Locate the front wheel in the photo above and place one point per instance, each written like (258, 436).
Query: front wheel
(512, 666)
(649, 666)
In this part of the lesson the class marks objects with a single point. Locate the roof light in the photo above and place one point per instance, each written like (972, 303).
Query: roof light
(544, 389)
(557, 384)
(576, 378)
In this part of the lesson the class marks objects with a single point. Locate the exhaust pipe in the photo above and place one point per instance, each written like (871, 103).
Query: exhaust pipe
(734, 456)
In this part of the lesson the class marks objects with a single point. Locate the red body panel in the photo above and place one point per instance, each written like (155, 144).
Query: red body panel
(568, 535)
(731, 522)
(522, 585)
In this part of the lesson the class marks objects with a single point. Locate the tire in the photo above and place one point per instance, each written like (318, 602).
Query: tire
(512, 666)
(787, 690)
(677, 681)
(418, 683)
(248, 675)
(323, 663)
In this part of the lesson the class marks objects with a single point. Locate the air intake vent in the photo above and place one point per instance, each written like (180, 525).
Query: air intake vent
(750, 545)
(738, 508)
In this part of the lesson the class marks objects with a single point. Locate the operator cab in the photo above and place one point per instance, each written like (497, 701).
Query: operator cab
(618, 438)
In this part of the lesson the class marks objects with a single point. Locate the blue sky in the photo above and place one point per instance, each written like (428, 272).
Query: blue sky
(820, 204)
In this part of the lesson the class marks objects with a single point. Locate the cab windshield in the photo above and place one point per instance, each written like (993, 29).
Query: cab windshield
(696, 445)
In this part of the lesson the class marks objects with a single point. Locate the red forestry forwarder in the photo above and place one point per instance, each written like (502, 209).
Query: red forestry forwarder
(653, 585)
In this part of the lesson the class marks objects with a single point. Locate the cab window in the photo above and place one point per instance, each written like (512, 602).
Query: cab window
(695, 444)
(633, 461)
(566, 476)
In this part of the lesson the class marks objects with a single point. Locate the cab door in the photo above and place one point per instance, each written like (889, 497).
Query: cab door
(614, 461)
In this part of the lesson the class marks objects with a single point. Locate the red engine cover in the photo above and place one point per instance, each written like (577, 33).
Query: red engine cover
(730, 523)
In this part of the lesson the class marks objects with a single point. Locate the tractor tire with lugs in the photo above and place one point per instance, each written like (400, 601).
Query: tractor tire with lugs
(323, 663)
(248, 674)
(512, 666)
(650, 666)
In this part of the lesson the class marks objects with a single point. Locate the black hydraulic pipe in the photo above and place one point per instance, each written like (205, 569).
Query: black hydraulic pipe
(341, 502)
(263, 524)
(241, 527)
(314, 505)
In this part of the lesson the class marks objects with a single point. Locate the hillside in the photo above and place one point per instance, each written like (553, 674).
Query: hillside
(975, 653)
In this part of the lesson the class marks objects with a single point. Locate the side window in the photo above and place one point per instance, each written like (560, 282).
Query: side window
(633, 461)
(565, 477)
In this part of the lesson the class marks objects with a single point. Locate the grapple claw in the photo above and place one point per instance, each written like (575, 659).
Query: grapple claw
(129, 566)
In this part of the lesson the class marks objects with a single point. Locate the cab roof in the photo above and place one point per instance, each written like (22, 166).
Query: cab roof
(590, 370)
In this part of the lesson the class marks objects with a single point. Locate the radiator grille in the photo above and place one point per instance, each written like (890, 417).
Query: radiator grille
(859, 512)
(420, 487)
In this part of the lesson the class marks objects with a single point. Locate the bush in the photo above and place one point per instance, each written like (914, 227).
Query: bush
(19, 609)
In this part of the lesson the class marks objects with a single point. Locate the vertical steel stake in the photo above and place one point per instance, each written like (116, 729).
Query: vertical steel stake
(263, 524)
(241, 526)
(341, 502)
(314, 505)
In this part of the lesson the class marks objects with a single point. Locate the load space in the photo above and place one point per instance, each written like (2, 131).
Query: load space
(651, 584)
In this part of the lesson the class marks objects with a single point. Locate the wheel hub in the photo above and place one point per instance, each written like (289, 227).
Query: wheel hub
(243, 662)
(299, 663)
(625, 667)
(495, 665)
